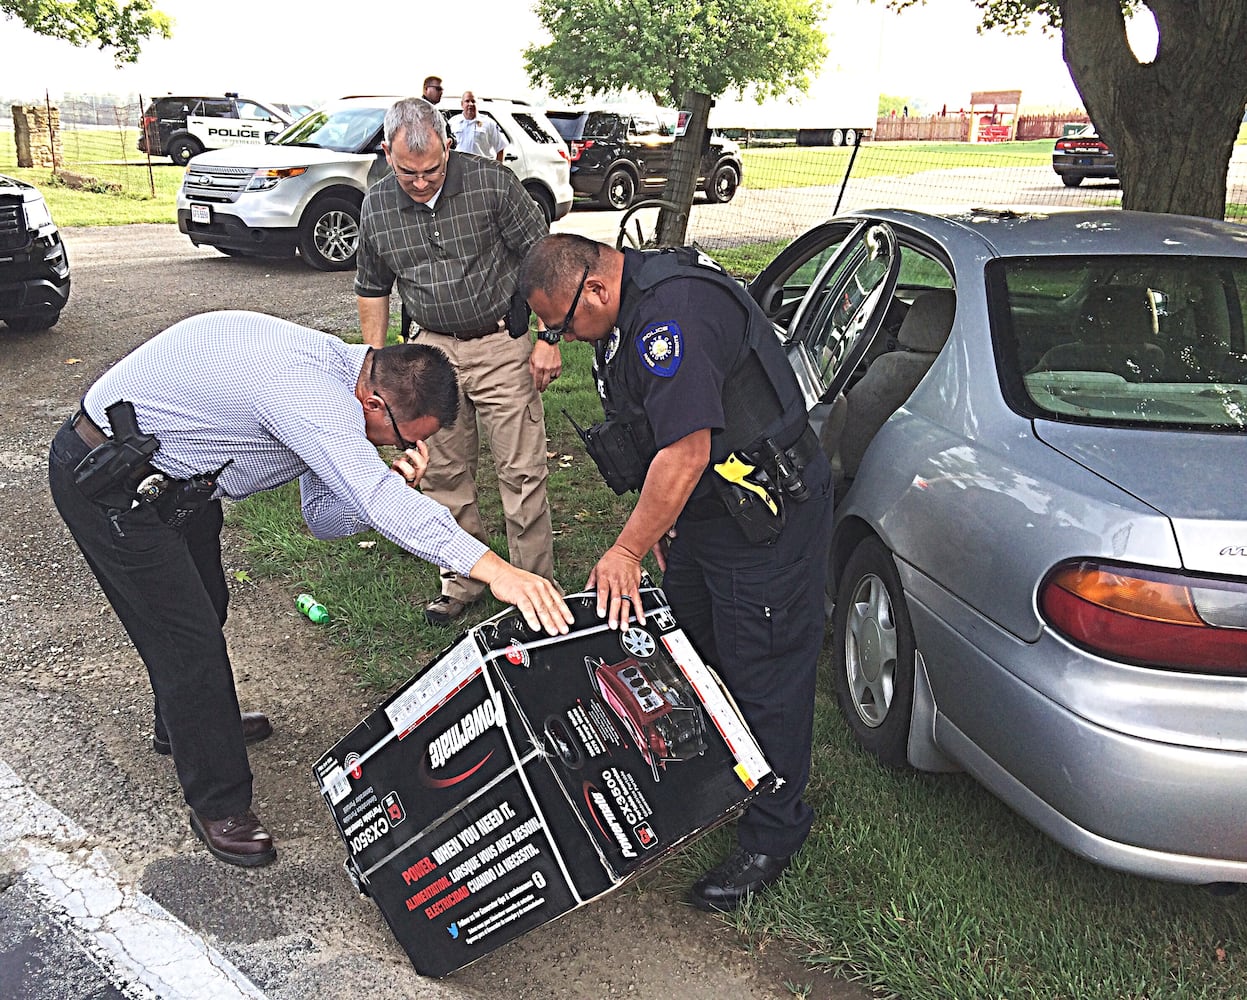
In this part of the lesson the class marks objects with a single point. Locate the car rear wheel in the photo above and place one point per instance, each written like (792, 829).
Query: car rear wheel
(329, 235)
(182, 149)
(35, 321)
(619, 189)
(544, 202)
(873, 653)
(722, 184)
(1071, 180)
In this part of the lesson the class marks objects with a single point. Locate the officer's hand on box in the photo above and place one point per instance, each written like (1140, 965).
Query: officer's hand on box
(617, 578)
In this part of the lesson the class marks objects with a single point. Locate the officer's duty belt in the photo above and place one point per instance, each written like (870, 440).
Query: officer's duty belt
(93, 437)
(801, 452)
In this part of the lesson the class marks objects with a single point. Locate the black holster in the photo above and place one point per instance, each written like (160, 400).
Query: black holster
(118, 463)
(622, 450)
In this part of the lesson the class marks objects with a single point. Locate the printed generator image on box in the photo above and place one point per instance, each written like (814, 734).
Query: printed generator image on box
(519, 776)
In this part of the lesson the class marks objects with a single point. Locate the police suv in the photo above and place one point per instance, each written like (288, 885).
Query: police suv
(303, 191)
(182, 127)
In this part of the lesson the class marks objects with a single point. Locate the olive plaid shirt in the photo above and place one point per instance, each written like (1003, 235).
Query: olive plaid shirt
(455, 264)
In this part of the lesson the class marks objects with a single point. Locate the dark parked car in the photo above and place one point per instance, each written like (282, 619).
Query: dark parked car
(34, 270)
(1083, 154)
(617, 156)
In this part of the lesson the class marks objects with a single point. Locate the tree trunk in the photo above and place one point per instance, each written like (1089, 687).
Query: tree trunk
(1171, 122)
(682, 178)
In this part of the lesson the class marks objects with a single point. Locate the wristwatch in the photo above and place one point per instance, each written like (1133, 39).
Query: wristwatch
(548, 337)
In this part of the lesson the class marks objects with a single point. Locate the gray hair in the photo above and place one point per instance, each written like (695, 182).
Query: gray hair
(420, 123)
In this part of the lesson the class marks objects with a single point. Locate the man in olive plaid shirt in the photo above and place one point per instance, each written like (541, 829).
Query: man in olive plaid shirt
(450, 229)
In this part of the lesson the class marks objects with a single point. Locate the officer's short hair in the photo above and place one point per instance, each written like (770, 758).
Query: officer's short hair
(418, 381)
(420, 122)
(556, 262)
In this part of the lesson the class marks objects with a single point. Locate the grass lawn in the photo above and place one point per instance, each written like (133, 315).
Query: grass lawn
(124, 192)
(924, 885)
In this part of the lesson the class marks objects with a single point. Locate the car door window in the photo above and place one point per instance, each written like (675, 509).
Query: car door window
(249, 109)
(216, 109)
(781, 286)
(843, 311)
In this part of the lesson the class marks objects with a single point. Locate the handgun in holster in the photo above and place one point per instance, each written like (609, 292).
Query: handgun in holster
(751, 497)
(116, 465)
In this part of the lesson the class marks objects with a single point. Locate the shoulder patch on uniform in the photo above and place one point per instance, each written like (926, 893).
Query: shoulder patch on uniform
(661, 347)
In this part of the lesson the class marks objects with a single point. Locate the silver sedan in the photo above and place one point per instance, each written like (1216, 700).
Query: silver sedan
(1039, 425)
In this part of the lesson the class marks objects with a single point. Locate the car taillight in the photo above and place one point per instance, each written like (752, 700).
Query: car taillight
(1149, 617)
(580, 147)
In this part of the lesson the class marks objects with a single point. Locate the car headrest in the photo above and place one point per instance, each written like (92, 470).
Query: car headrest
(928, 322)
(1117, 314)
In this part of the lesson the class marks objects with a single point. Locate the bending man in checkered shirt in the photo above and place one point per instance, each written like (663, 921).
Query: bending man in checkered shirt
(450, 229)
(260, 402)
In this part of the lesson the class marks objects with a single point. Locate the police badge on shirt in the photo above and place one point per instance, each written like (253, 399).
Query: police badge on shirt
(661, 347)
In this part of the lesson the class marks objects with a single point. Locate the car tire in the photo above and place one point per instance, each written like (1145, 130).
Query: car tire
(544, 201)
(837, 137)
(873, 653)
(329, 234)
(36, 321)
(1071, 180)
(183, 148)
(619, 190)
(722, 185)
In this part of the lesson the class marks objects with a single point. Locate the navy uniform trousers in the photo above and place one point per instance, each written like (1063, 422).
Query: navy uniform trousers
(756, 613)
(168, 588)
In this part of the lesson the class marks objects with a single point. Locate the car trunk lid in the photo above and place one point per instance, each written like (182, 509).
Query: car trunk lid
(1193, 478)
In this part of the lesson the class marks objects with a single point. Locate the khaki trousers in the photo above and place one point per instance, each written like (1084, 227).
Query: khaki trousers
(496, 390)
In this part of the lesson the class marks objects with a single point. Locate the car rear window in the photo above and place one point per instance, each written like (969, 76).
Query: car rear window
(1133, 341)
(567, 123)
(535, 132)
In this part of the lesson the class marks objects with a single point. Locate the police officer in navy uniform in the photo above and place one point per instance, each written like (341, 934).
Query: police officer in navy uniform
(705, 418)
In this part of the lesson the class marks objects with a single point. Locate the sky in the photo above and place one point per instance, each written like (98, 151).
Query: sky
(263, 50)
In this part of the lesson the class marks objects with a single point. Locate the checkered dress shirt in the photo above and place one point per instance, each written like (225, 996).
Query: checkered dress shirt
(455, 264)
(278, 399)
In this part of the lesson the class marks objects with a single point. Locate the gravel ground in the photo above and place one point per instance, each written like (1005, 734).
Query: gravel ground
(78, 713)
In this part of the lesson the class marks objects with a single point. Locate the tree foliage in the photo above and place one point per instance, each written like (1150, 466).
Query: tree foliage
(666, 47)
(122, 28)
(1173, 120)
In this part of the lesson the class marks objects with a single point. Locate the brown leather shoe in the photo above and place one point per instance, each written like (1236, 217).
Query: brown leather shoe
(236, 840)
(255, 727)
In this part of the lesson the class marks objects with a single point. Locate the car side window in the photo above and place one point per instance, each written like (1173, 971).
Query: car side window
(216, 109)
(844, 309)
(249, 109)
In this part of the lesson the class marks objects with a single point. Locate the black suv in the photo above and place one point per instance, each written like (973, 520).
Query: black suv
(34, 271)
(180, 127)
(617, 155)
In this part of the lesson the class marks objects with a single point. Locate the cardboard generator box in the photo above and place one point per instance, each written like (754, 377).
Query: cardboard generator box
(519, 776)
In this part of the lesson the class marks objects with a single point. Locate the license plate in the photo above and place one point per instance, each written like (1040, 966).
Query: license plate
(201, 214)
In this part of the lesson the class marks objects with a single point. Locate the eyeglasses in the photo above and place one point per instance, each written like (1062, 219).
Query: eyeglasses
(562, 328)
(424, 175)
(403, 443)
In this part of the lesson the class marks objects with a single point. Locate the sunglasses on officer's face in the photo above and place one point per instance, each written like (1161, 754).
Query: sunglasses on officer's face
(562, 328)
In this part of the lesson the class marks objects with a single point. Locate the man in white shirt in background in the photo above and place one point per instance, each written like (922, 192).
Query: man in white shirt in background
(474, 134)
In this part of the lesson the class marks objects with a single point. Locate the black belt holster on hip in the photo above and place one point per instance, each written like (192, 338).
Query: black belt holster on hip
(119, 462)
(622, 450)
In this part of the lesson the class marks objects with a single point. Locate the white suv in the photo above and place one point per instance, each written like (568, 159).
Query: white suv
(303, 190)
